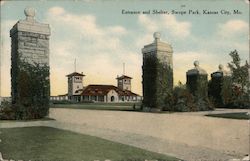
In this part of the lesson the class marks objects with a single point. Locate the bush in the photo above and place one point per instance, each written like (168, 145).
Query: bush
(182, 100)
(204, 104)
(6, 111)
(61, 102)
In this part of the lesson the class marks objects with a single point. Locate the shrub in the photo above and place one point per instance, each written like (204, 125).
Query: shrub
(61, 102)
(182, 100)
(6, 111)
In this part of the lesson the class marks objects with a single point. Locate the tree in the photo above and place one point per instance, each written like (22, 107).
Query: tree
(240, 74)
(239, 81)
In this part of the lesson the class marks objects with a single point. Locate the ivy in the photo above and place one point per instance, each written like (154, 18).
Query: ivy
(157, 82)
(33, 89)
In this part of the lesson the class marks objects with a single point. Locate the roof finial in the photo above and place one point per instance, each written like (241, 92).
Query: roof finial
(30, 13)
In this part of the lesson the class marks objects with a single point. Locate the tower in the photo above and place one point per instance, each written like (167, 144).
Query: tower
(157, 72)
(30, 60)
(74, 84)
(124, 82)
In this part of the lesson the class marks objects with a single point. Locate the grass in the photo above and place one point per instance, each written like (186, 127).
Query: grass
(50, 144)
(101, 106)
(238, 115)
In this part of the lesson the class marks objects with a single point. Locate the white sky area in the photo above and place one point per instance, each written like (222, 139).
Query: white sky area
(101, 38)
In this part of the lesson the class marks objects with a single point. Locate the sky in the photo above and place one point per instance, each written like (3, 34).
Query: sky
(101, 38)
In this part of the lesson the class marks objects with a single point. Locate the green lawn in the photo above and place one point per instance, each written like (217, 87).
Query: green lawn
(50, 144)
(239, 115)
(101, 106)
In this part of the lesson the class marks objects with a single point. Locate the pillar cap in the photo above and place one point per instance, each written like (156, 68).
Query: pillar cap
(30, 13)
(222, 70)
(197, 70)
(157, 36)
(221, 67)
(196, 63)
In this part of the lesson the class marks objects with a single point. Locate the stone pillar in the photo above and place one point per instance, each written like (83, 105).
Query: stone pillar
(197, 80)
(215, 85)
(157, 73)
(29, 48)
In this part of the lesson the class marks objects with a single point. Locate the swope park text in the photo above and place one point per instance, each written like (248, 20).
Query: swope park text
(183, 12)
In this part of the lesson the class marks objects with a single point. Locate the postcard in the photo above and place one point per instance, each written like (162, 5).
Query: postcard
(95, 80)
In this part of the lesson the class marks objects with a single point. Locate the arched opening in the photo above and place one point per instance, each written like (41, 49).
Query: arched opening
(112, 98)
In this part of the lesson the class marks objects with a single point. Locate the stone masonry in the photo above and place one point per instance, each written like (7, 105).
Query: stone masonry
(157, 73)
(30, 44)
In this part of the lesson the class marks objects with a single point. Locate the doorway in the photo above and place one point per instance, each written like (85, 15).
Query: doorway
(112, 98)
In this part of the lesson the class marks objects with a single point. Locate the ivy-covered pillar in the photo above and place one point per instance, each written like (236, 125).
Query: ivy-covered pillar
(197, 84)
(215, 85)
(30, 84)
(197, 81)
(157, 74)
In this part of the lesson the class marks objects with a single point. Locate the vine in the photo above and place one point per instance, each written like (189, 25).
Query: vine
(33, 89)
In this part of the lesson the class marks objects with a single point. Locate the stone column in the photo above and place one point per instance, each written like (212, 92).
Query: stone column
(215, 85)
(157, 73)
(197, 80)
(29, 48)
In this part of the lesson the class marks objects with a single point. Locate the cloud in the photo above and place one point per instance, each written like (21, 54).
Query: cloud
(148, 23)
(233, 28)
(100, 50)
(177, 28)
(56, 11)
(169, 23)
(117, 30)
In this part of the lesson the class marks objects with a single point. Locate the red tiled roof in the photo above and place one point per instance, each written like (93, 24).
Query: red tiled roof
(74, 74)
(126, 93)
(123, 76)
(91, 90)
(101, 90)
